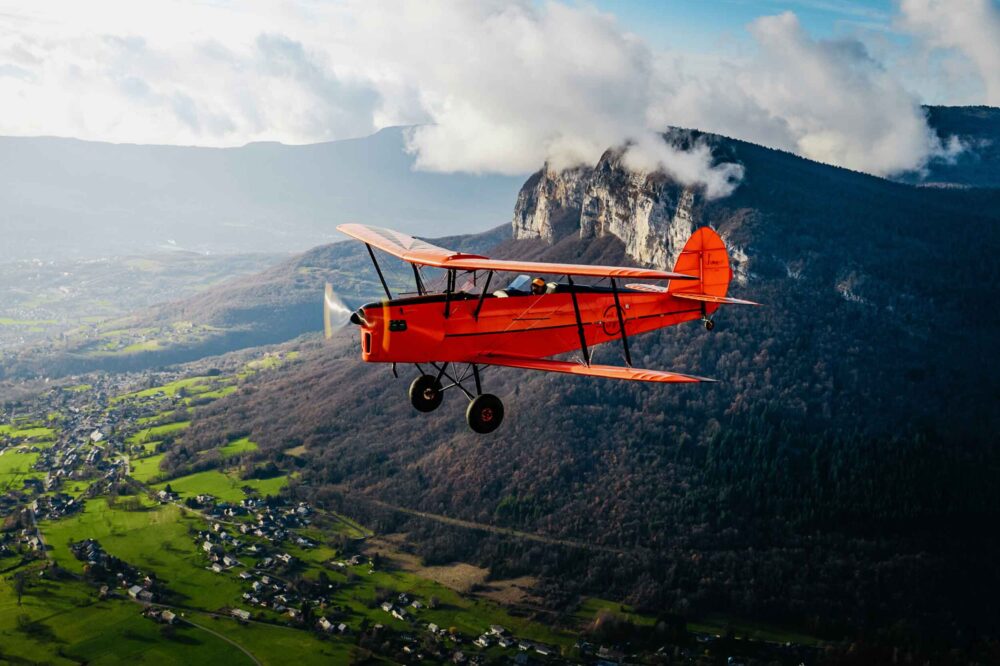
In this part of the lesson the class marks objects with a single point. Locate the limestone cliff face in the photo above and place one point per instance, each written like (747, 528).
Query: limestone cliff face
(651, 214)
(548, 205)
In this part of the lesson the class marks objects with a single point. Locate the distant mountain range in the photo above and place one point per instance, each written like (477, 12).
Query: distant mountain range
(65, 198)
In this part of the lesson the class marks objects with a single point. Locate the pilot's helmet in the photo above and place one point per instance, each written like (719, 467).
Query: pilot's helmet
(538, 285)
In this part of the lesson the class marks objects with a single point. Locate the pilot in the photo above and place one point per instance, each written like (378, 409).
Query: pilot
(537, 286)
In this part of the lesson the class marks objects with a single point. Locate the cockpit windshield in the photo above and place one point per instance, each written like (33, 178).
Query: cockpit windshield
(520, 283)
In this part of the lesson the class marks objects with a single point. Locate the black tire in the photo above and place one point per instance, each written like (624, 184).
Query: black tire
(485, 413)
(425, 393)
(709, 324)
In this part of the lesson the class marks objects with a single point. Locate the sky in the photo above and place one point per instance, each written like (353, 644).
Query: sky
(503, 86)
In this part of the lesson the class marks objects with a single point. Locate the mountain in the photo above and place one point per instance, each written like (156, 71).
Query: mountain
(840, 477)
(64, 198)
(976, 131)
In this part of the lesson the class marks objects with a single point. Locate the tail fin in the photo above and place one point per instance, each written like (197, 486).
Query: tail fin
(704, 256)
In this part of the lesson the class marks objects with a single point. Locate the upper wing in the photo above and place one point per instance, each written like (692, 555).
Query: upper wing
(608, 371)
(399, 245)
(421, 252)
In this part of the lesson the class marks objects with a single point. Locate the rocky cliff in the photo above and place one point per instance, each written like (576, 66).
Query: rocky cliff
(651, 213)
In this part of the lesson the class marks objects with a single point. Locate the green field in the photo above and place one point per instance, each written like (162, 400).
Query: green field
(15, 468)
(144, 469)
(192, 385)
(154, 539)
(237, 447)
(226, 487)
(26, 432)
(68, 625)
(279, 645)
(157, 432)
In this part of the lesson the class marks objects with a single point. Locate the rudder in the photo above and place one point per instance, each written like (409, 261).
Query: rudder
(704, 256)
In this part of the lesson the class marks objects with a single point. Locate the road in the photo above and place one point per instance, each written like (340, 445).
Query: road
(227, 639)
(506, 531)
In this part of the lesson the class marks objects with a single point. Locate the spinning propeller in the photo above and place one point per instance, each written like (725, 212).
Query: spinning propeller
(335, 313)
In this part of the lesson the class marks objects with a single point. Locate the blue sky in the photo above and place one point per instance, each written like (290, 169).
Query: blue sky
(707, 25)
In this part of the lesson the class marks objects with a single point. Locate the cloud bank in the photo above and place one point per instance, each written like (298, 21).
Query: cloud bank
(968, 27)
(494, 86)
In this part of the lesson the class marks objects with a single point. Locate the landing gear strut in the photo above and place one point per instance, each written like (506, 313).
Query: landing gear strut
(709, 324)
(485, 411)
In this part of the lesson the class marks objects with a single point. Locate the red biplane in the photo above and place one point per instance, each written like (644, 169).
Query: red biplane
(523, 324)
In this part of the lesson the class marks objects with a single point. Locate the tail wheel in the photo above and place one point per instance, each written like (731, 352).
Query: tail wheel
(425, 393)
(709, 324)
(485, 413)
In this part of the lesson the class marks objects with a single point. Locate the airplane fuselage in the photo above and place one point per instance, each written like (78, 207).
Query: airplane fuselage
(440, 328)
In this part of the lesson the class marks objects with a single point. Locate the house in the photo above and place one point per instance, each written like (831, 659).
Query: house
(246, 575)
(416, 604)
(433, 628)
(497, 630)
(229, 561)
(342, 628)
(325, 624)
(241, 614)
(134, 591)
(505, 642)
(387, 606)
(286, 558)
(168, 617)
(483, 641)
(399, 614)
(217, 568)
(145, 596)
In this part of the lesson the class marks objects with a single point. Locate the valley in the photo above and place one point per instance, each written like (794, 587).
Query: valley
(187, 562)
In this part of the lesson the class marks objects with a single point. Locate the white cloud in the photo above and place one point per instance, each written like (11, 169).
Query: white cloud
(497, 86)
(827, 100)
(970, 27)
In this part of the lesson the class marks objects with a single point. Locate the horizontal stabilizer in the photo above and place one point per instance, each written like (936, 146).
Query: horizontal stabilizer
(708, 298)
(607, 371)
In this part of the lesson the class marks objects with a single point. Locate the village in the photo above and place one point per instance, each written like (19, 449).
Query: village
(242, 550)
(90, 451)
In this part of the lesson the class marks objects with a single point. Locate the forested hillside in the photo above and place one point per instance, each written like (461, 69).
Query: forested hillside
(840, 476)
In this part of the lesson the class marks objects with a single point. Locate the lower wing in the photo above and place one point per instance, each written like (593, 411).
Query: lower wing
(608, 371)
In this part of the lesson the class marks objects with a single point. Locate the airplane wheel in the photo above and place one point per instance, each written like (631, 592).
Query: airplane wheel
(485, 413)
(709, 324)
(425, 393)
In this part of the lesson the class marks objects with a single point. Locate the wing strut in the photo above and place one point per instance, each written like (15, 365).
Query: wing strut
(378, 270)
(421, 290)
(447, 293)
(621, 323)
(579, 322)
(482, 296)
